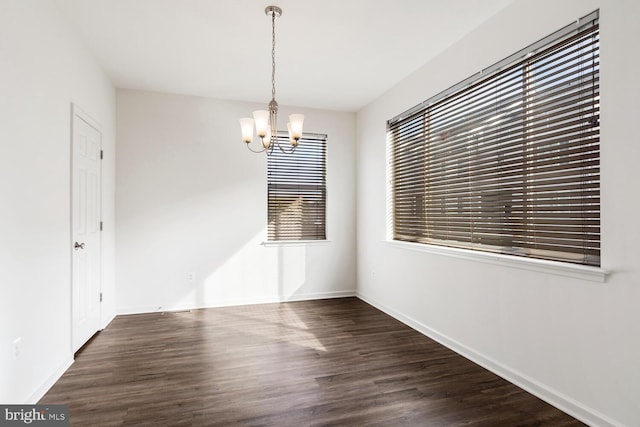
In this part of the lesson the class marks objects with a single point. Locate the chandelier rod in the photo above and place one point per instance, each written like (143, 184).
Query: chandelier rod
(273, 55)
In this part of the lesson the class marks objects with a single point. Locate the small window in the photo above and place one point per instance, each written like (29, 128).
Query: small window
(508, 161)
(297, 190)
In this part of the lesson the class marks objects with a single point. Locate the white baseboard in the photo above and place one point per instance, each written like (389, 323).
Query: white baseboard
(320, 295)
(572, 407)
(238, 302)
(44, 387)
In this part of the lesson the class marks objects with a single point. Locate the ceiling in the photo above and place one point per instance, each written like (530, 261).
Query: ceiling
(330, 54)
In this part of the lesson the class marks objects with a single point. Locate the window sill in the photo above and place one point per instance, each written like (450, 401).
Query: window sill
(270, 243)
(592, 274)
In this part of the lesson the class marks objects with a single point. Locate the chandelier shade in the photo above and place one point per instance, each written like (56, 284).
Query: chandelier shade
(261, 118)
(246, 125)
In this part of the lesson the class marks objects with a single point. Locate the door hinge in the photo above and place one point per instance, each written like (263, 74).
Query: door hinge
(100, 225)
(100, 296)
(101, 154)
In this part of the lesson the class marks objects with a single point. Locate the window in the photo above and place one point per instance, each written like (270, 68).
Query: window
(297, 190)
(507, 162)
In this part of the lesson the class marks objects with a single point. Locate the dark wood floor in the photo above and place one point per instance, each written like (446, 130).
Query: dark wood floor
(334, 362)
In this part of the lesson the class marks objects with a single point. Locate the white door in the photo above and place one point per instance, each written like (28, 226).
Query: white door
(86, 208)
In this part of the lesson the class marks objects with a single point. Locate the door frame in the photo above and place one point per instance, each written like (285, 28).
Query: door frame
(78, 113)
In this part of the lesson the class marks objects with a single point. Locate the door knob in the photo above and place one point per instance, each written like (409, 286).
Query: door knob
(78, 246)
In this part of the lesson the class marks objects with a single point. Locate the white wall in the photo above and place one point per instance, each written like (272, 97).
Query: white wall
(43, 69)
(191, 198)
(571, 341)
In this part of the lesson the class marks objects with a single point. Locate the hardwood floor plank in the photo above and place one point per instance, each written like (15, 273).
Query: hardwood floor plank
(334, 362)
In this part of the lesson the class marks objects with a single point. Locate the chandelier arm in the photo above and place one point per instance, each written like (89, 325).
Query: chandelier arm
(256, 151)
(293, 148)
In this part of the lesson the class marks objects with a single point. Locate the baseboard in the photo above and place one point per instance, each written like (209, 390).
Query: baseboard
(138, 309)
(320, 295)
(44, 388)
(544, 392)
(239, 302)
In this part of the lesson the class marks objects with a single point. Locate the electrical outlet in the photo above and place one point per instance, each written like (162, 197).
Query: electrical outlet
(191, 276)
(16, 348)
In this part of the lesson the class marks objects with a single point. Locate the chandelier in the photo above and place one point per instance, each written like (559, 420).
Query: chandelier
(266, 121)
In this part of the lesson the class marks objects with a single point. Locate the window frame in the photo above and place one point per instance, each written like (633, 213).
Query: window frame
(320, 140)
(422, 112)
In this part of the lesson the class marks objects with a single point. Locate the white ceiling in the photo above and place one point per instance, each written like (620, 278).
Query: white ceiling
(330, 54)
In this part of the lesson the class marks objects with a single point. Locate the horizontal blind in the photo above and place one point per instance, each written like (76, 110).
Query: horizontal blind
(510, 163)
(296, 187)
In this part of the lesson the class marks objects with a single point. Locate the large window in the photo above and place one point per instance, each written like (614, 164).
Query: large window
(508, 161)
(297, 191)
